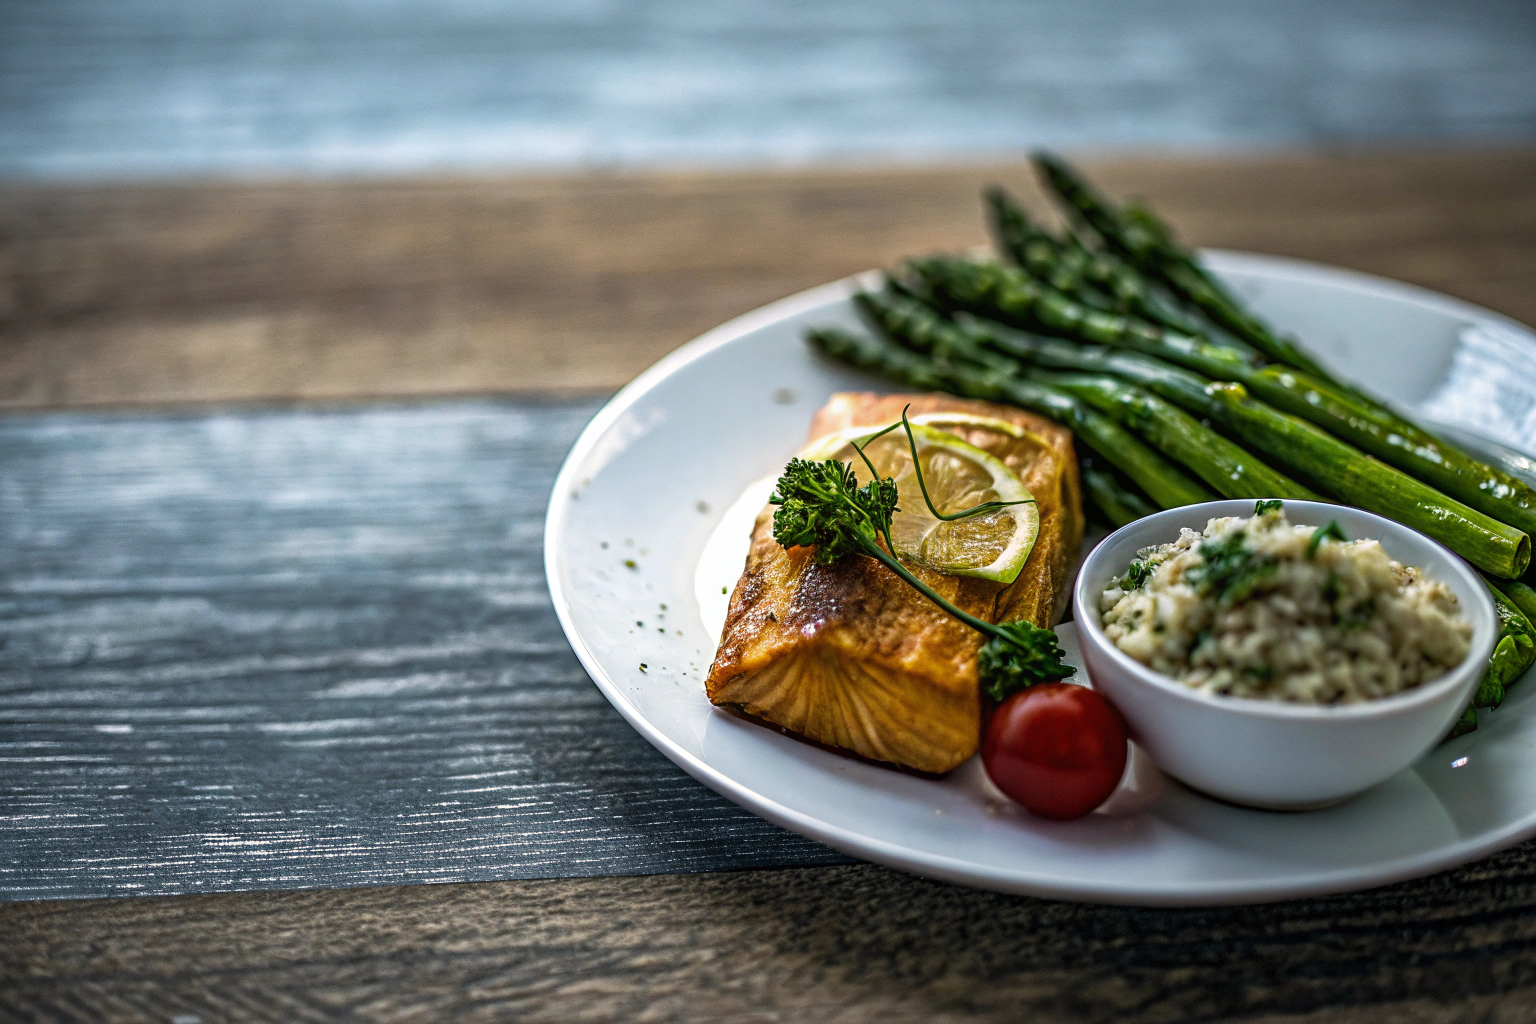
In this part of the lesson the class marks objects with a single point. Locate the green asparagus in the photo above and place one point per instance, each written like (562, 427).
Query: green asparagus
(915, 322)
(1117, 503)
(1332, 465)
(1137, 295)
(1520, 594)
(1009, 294)
(1382, 433)
(1165, 483)
(1224, 466)
(1271, 432)
(1228, 469)
(1311, 393)
(1349, 474)
(1145, 243)
(1397, 442)
(1514, 651)
(993, 290)
(1096, 278)
(1040, 253)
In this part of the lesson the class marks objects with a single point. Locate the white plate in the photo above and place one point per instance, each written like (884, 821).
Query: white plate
(654, 472)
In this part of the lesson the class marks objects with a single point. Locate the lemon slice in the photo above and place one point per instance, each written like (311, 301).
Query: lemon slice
(992, 545)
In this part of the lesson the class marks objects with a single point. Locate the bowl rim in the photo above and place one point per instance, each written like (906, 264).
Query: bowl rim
(1090, 629)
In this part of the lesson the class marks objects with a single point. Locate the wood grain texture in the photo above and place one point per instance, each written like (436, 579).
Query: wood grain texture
(212, 292)
(846, 944)
(307, 647)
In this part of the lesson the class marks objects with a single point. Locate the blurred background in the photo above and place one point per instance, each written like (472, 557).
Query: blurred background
(170, 88)
(210, 200)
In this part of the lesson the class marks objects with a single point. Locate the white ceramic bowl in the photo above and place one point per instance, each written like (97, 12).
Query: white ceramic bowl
(1271, 754)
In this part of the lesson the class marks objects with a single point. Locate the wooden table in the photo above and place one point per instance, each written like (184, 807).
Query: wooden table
(189, 294)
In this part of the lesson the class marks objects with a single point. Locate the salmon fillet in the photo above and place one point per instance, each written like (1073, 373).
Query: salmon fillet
(851, 657)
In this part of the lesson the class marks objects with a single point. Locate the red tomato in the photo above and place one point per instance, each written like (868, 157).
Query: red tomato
(1056, 748)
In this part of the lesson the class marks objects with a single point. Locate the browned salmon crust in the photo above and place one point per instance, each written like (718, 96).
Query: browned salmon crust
(852, 657)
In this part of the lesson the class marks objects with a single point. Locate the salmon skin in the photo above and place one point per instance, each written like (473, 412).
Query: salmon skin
(849, 655)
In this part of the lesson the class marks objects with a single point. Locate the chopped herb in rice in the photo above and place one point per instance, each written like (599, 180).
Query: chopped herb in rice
(1257, 607)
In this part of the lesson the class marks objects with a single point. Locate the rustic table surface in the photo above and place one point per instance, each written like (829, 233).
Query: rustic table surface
(276, 639)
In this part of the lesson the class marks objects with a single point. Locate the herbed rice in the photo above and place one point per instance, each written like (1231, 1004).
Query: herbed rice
(1243, 609)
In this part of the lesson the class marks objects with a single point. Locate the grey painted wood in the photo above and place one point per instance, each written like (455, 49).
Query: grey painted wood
(115, 87)
(312, 648)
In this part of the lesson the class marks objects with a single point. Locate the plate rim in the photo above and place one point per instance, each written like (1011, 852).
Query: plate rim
(1184, 892)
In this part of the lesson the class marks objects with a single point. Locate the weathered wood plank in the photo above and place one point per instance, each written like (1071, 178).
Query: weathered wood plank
(177, 87)
(849, 944)
(210, 292)
(301, 648)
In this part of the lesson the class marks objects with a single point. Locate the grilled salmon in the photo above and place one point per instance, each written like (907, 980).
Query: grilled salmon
(850, 656)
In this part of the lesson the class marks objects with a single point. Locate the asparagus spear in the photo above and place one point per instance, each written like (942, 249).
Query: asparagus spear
(1397, 442)
(1141, 297)
(914, 322)
(1383, 434)
(1514, 651)
(1012, 296)
(1228, 469)
(1366, 423)
(991, 289)
(1174, 383)
(1117, 503)
(1015, 235)
(1520, 594)
(1330, 464)
(1334, 466)
(1359, 480)
(1143, 242)
(1136, 229)
(1498, 495)
(1092, 277)
(1165, 483)
(1223, 465)
(1037, 251)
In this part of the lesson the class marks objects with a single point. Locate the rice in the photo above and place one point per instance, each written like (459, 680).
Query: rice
(1253, 607)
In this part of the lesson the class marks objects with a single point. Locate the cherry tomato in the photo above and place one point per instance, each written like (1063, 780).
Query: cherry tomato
(1056, 748)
